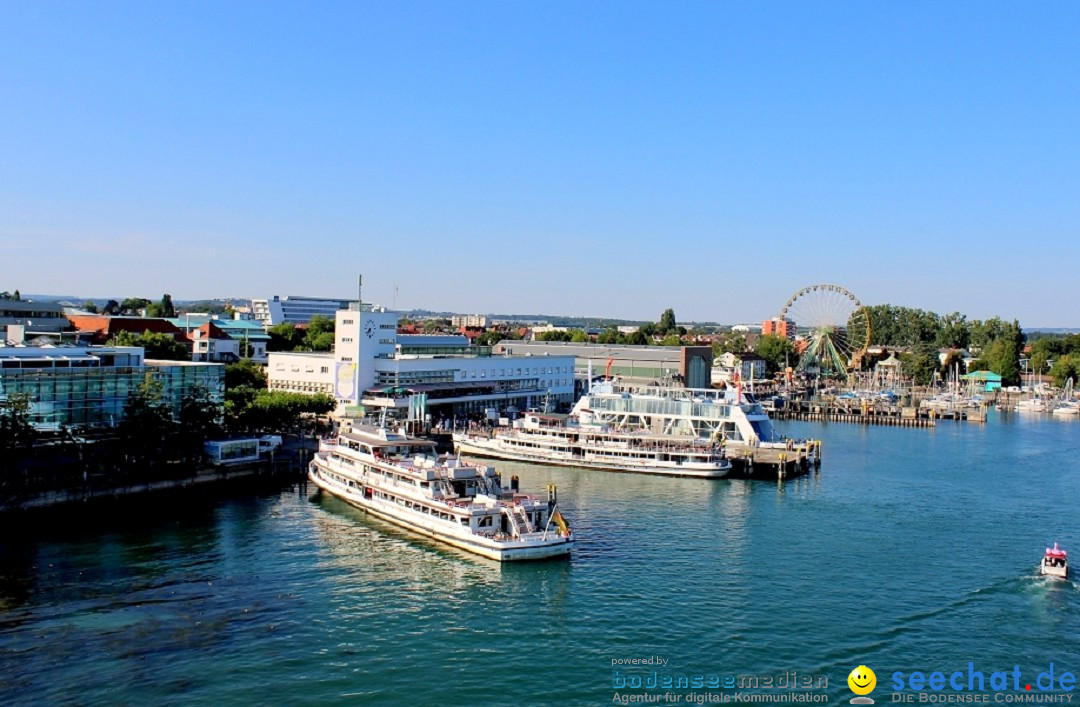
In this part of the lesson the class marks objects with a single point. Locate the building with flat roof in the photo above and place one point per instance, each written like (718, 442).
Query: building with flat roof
(35, 317)
(779, 327)
(293, 309)
(374, 367)
(70, 385)
(683, 365)
(469, 320)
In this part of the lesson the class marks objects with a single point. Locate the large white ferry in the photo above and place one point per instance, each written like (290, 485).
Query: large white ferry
(727, 415)
(576, 440)
(401, 480)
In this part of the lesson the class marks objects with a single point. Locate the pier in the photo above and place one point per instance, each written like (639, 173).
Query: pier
(891, 415)
(774, 463)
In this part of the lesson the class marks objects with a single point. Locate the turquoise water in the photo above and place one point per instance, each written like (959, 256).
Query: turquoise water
(911, 550)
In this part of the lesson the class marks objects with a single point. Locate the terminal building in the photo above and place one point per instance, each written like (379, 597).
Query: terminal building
(88, 386)
(687, 366)
(374, 367)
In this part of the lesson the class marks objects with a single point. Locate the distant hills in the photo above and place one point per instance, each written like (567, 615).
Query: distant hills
(554, 319)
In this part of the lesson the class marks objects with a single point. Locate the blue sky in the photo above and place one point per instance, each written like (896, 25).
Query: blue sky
(581, 158)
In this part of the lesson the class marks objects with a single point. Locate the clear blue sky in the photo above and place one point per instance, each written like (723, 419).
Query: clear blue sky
(581, 158)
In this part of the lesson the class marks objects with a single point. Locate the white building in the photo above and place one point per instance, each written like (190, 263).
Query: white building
(749, 367)
(374, 367)
(469, 320)
(295, 310)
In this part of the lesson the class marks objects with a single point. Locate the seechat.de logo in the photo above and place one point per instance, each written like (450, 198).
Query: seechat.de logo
(862, 681)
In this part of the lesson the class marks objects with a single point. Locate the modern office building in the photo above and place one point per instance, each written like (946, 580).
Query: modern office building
(372, 366)
(292, 309)
(70, 386)
(687, 366)
(36, 318)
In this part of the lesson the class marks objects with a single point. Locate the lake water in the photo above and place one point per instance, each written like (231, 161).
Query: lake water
(911, 550)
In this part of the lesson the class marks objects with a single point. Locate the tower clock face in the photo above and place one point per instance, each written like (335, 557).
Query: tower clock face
(369, 329)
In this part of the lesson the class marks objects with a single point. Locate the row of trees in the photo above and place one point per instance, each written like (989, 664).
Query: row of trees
(250, 407)
(904, 326)
(666, 327)
(1059, 354)
(158, 345)
(134, 307)
(998, 343)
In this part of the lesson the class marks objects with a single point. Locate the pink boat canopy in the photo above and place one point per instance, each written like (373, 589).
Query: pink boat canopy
(1056, 552)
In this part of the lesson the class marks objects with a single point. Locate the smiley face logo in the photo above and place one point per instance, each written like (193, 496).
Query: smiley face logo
(862, 682)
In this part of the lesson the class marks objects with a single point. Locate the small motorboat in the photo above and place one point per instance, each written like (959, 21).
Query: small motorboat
(1055, 563)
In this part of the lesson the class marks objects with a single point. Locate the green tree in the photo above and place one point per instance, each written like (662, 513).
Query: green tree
(284, 337)
(494, 336)
(955, 332)
(320, 334)
(1002, 356)
(112, 308)
(17, 435)
(671, 340)
(554, 336)
(435, 326)
(637, 338)
(667, 324)
(164, 308)
(132, 306)
(200, 419)
(147, 421)
(984, 333)
(245, 373)
(157, 345)
(278, 411)
(1065, 367)
(731, 342)
(90, 306)
(609, 335)
(921, 363)
(777, 352)
(579, 336)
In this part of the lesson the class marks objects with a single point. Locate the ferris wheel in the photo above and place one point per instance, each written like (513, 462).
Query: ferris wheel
(832, 329)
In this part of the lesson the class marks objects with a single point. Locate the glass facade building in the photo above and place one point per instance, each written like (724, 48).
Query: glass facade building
(88, 386)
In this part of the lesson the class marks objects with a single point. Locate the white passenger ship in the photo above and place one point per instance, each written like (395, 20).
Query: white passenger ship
(401, 480)
(576, 440)
(728, 415)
